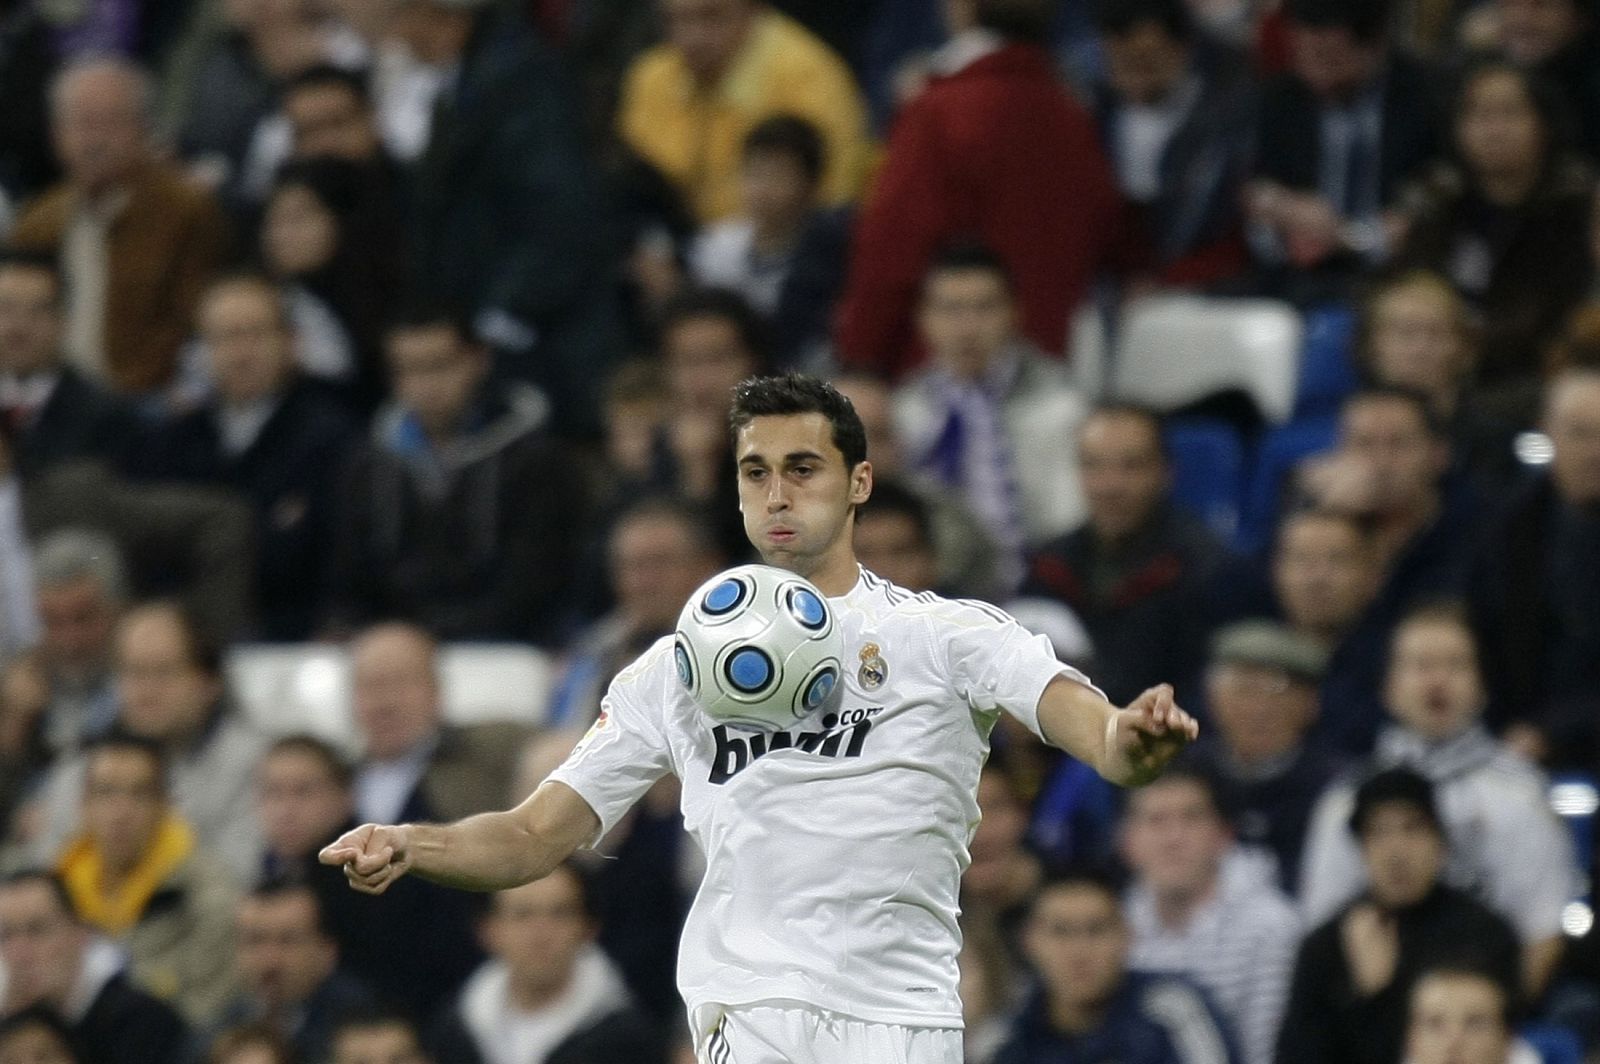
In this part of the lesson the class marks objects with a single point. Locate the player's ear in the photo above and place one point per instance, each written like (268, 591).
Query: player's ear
(860, 483)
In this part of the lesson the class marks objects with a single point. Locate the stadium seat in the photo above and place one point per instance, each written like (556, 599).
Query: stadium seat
(1327, 361)
(286, 688)
(1174, 350)
(1575, 797)
(1208, 471)
(1554, 1044)
(1281, 450)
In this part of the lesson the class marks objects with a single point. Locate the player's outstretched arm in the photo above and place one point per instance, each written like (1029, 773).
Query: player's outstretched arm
(490, 851)
(1127, 746)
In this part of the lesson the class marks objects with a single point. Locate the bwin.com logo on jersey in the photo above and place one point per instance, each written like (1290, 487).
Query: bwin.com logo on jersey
(843, 734)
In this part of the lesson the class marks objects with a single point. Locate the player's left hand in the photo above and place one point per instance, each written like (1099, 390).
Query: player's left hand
(1148, 734)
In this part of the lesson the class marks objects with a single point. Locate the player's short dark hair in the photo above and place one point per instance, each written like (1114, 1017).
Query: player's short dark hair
(1117, 18)
(792, 137)
(722, 304)
(967, 256)
(1366, 20)
(38, 262)
(1153, 419)
(119, 741)
(797, 393)
(891, 496)
(1395, 786)
(336, 765)
(1432, 423)
(42, 1016)
(1020, 20)
(1101, 878)
(289, 885)
(47, 879)
(326, 75)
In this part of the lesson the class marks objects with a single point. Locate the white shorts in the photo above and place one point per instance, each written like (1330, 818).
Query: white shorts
(792, 1033)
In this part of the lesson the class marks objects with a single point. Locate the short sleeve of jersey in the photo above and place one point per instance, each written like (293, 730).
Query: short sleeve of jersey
(996, 664)
(624, 751)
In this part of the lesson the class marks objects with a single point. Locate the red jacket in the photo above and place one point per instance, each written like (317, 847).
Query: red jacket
(999, 153)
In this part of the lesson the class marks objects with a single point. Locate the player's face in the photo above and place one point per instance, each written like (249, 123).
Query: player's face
(795, 492)
(1078, 942)
(1433, 685)
(1403, 854)
(1457, 1019)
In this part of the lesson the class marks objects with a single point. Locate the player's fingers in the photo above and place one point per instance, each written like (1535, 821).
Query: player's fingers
(370, 863)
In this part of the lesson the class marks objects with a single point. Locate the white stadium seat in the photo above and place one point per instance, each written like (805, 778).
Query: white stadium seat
(286, 688)
(1175, 349)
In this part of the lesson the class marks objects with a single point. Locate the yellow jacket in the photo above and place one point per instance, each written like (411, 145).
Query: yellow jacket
(693, 135)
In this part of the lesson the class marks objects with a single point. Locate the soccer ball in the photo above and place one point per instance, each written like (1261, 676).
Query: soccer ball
(758, 648)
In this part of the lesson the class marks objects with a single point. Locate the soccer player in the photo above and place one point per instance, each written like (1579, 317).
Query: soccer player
(825, 927)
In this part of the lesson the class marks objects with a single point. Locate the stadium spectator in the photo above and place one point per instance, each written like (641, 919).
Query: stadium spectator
(304, 795)
(1261, 692)
(506, 221)
(139, 874)
(966, 551)
(1463, 1016)
(1325, 577)
(547, 995)
(38, 1036)
(660, 551)
(1005, 871)
(378, 1037)
(55, 963)
(989, 417)
(1137, 570)
(1339, 135)
(253, 1043)
(725, 66)
(995, 150)
(1355, 973)
(783, 252)
(1196, 908)
(894, 537)
(1174, 111)
(1506, 847)
(81, 589)
(1506, 219)
(1535, 585)
(136, 241)
(418, 768)
(289, 975)
(1555, 39)
(332, 238)
(268, 434)
(330, 115)
(53, 411)
(171, 692)
(1088, 1004)
(459, 513)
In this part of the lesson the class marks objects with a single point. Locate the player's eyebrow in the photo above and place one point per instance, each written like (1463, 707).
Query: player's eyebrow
(791, 458)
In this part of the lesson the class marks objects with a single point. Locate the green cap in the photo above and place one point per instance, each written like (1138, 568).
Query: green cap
(1270, 645)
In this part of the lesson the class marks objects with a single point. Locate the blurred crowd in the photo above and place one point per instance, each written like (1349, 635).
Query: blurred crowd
(387, 328)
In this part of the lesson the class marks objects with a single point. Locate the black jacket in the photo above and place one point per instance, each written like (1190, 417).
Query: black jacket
(290, 477)
(124, 1024)
(80, 420)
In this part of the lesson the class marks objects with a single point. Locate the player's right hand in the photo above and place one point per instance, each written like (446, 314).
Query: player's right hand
(373, 856)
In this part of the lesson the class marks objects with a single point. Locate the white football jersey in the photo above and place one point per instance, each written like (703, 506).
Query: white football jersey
(834, 851)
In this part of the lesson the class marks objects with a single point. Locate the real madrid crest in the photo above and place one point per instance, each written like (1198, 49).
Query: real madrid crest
(874, 670)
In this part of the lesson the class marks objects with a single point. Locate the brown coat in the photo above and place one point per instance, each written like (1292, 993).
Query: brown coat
(165, 246)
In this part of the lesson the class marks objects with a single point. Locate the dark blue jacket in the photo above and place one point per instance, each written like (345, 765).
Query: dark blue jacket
(1152, 1020)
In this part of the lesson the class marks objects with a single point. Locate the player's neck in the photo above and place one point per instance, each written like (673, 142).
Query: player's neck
(836, 575)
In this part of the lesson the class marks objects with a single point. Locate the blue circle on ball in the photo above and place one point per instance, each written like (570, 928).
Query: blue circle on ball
(749, 669)
(807, 608)
(820, 689)
(724, 597)
(685, 670)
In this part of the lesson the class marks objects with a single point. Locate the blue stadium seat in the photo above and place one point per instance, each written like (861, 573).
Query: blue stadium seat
(1208, 471)
(1327, 361)
(1554, 1044)
(1281, 450)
